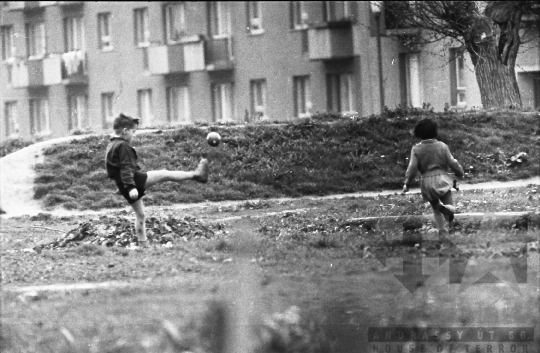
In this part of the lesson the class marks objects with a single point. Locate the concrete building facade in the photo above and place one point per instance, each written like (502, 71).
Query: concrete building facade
(74, 65)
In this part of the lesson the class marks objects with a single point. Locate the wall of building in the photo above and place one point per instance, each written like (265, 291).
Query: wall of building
(276, 55)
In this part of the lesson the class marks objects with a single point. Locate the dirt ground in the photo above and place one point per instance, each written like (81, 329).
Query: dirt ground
(117, 300)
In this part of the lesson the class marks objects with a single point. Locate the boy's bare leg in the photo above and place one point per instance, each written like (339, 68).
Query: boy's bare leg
(160, 176)
(140, 228)
(448, 201)
(439, 219)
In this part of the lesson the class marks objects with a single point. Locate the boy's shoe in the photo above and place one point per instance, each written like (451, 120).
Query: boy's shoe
(201, 173)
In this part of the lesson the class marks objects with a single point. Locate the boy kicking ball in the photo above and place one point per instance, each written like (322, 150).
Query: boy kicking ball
(121, 162)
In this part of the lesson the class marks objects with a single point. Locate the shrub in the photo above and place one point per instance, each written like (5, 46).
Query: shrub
(13, 145)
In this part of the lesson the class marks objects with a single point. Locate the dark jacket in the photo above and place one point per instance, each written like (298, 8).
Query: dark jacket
(121, 162)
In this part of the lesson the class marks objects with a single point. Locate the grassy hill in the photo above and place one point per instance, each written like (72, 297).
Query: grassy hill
(317, 156)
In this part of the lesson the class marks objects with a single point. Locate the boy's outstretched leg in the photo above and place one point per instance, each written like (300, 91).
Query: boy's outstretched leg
(159, 176)
(140, 226)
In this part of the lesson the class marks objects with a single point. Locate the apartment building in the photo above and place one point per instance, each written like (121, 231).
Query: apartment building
(74, 65)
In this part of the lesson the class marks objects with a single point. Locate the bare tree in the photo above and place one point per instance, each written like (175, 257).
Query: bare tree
(488, 30)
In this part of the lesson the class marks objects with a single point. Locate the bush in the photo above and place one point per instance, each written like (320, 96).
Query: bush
(13, 145)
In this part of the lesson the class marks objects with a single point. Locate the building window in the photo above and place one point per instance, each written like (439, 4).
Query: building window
(299, 15)
(35, 39)
(178, 105)
(107, 100)
(8, 50)
(222, 102)
(175, 21)
(73, 34)
(219, 18)
(458, 87)
(104, 32)
(144, 106)
(258, 98)
(336, 11)
(302, 96)
(254, 17)
(412, 80)
(340, 92)
(78, 119)
(12, 119)
(142, 31)
(39, 116)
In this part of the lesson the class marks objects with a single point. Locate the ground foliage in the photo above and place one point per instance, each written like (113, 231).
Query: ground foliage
(119, 232)
(12, 145)
(318, 156)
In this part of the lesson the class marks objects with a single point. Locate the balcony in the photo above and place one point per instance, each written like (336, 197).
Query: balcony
(394, 19)
(22, 5)
(36, 72)
(69, 3)
(73, 68)
(218, 54)
(331, 41)
(176, 58)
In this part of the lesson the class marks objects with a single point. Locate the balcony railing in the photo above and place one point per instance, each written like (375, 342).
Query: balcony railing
(22, 5)
(331, 41)
(395, 13)
(73, 67)
(19, 74)
(36, 72)
(176, 58)
(218, 54)
(69, 3)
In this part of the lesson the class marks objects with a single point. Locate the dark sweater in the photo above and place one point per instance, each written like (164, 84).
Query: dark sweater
(121, 162)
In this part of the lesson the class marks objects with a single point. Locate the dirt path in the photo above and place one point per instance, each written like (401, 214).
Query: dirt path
(17, 176)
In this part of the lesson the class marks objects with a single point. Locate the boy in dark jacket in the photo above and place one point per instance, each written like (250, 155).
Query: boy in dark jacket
(121, 162)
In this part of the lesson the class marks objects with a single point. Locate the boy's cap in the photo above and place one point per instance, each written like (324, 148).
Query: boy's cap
(123, 121)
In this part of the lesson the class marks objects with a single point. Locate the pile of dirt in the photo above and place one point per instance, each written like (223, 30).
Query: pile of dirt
(120, 232)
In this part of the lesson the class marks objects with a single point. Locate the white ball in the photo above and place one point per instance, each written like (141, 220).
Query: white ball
(213, 139)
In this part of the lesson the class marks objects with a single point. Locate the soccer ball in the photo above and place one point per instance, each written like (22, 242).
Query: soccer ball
(213, 139)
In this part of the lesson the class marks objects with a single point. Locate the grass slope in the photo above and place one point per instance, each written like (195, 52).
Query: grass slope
(308, 157)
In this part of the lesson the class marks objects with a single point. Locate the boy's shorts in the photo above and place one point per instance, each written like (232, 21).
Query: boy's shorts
(140, 181)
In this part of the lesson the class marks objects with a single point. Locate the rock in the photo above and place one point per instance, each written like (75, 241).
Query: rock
(412, 224)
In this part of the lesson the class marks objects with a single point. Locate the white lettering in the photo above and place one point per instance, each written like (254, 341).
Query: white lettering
(436, 334)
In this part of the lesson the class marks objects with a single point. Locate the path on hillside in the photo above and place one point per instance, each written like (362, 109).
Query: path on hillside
(17, 176)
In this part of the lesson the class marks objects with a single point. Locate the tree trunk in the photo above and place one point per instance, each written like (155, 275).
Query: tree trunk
(497, 82)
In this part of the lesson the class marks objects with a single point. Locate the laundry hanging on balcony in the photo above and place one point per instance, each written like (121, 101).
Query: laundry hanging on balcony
(73, 62)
